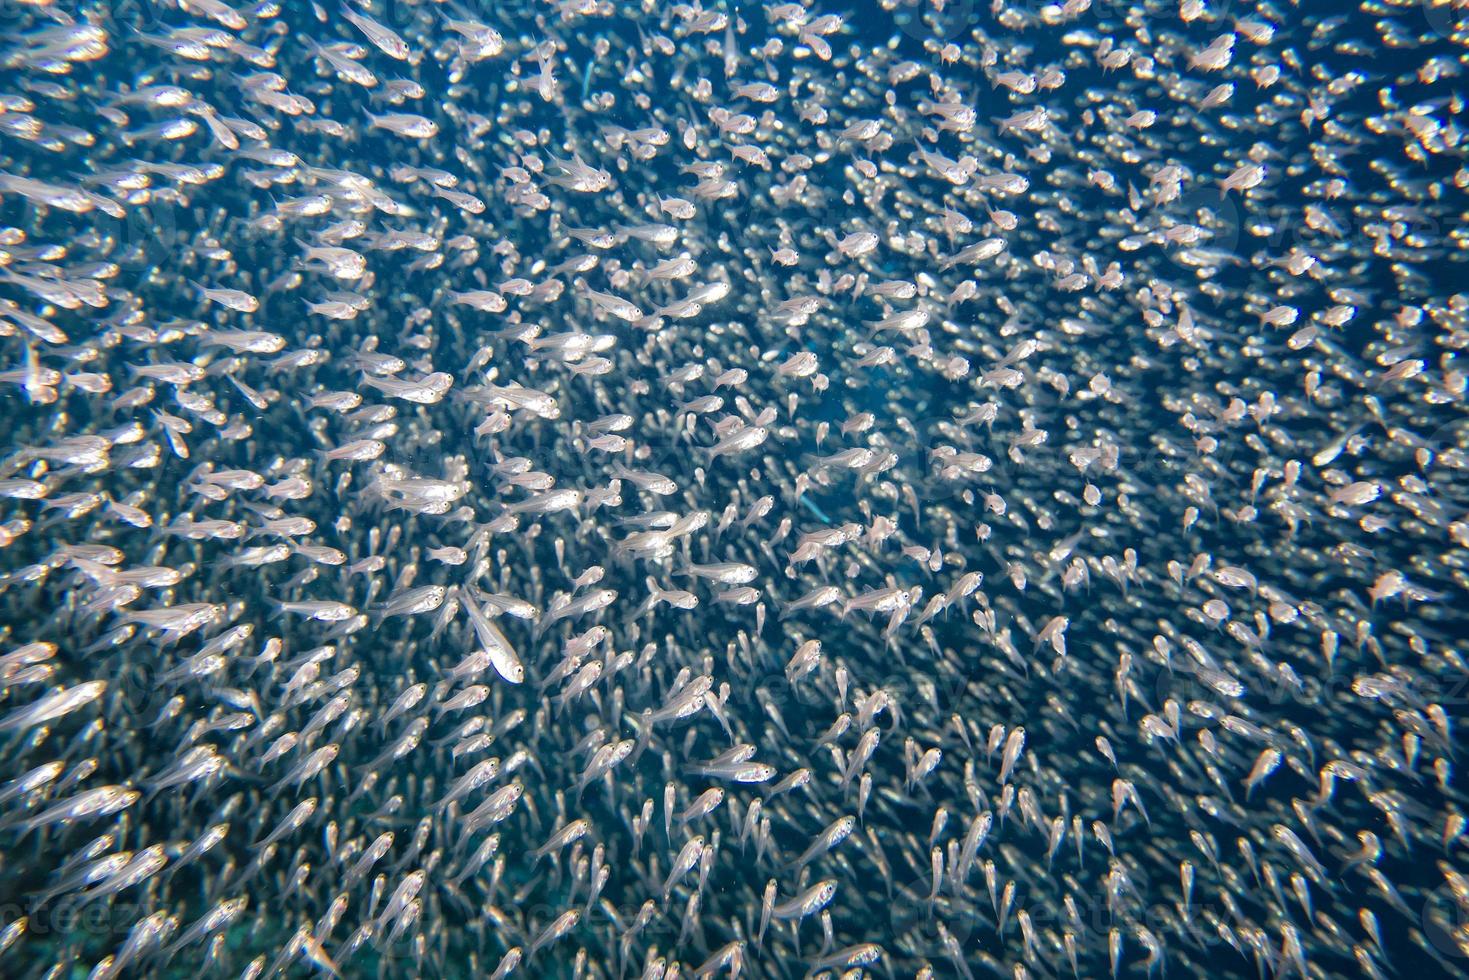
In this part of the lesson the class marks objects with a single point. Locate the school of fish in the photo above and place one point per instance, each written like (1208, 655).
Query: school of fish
(573, 488)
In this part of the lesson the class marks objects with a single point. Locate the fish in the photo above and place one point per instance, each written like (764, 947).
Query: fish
(702, 489)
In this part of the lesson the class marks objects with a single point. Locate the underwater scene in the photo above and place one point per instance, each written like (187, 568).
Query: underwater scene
(609, 490)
